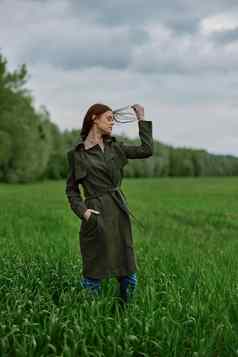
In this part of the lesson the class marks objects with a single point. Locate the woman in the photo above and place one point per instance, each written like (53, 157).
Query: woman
(96, 162)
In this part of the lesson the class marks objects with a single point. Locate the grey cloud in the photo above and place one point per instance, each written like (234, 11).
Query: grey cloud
(123, 49)
(225, 37)
(194, 58)
(181, 16)
(80, 57)
(85, 38)
(81, 48)
(183, 27)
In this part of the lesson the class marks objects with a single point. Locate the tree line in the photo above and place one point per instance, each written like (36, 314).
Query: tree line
(33, 148)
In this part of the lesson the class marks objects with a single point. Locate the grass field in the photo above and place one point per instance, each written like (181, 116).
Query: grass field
(186, 303)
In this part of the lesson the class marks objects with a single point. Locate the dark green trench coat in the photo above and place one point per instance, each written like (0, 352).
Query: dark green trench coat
(106, 243)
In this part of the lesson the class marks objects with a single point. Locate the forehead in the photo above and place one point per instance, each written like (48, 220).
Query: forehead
(108, 113)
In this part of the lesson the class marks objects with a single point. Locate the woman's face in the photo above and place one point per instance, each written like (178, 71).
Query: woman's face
(105, 122)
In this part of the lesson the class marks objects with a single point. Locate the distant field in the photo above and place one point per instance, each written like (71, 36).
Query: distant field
(186, 303)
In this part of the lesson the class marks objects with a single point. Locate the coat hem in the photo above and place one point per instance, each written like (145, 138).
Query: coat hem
(110, 274)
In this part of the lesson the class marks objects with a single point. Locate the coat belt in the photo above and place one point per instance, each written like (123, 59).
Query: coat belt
(112, 189)
(102, 192)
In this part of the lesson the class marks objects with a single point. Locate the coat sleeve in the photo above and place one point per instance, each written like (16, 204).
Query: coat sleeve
(72, 190)
(146, 148)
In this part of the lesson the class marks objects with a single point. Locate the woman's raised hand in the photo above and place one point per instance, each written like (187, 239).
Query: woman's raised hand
(139, 110)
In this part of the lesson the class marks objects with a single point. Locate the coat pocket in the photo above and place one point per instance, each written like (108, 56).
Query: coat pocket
(89, 227)
(89, 239)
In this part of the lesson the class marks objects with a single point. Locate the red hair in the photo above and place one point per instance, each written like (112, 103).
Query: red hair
(95, 109)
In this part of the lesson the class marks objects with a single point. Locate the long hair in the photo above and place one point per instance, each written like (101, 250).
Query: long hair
(95, 109)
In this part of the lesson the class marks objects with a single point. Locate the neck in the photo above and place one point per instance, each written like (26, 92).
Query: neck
(93, 137)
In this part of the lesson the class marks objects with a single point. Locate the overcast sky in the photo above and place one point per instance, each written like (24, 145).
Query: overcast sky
(177, 58)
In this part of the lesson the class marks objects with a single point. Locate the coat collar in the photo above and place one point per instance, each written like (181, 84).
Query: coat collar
(80, 142)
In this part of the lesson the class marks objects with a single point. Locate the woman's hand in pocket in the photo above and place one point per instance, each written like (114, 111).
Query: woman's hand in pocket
(88, 213)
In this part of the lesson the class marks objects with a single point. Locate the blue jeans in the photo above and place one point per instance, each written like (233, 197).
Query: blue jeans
(127, 283)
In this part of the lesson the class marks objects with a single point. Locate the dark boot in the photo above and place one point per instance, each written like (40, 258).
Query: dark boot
(127, 285)
(124, 294)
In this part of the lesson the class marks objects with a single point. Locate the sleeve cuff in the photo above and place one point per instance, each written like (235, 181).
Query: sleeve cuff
(145, 122)
(83, 209)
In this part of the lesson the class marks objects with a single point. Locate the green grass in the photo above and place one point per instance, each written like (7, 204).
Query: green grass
(186, 303)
